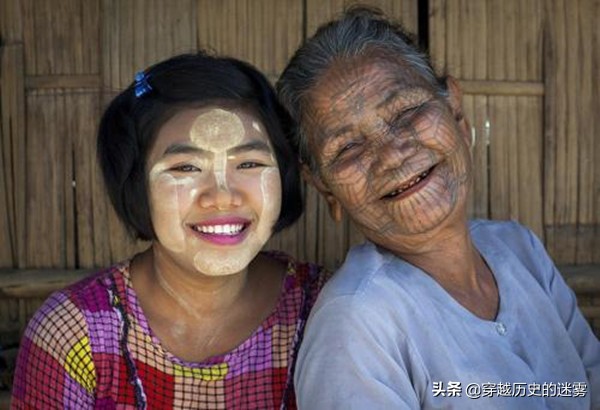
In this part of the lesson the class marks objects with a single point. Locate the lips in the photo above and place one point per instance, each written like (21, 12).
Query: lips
(226, 229)
(409, 186)
(222, 230)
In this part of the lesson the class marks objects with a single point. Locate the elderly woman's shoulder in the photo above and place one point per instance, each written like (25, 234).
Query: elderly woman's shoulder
(363, 262)
(508, 231)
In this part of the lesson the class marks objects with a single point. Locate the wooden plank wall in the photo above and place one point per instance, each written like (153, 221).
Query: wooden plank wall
(572, 130)
(530, 75)
(529, 70)
(495, 48)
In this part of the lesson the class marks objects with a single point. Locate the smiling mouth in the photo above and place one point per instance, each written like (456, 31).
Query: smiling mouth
(409, 184)
(220, 229)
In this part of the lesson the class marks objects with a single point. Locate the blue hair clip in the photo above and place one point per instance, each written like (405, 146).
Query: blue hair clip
(141, 84)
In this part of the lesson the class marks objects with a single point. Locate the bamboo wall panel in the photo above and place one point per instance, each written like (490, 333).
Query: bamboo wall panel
(263, 32)
(319, 12)
(495, 49)
(572, 61)
(61, 47)
(12, 133)
(49, 217)
(61, 36)
(6, 252)
(138, 33)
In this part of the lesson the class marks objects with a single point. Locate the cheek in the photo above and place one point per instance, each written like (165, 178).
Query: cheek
(170, 200)
(351, 173)
(266, 191)
(270, 192)
(168, 194)
(437, 130)
(350, 184)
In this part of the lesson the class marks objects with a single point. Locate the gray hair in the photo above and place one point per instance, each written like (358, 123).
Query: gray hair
(357, 31)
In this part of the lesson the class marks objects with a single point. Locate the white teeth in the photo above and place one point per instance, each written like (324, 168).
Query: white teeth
(229, 229)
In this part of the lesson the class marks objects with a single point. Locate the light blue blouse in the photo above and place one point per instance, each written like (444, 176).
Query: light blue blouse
(385, 335)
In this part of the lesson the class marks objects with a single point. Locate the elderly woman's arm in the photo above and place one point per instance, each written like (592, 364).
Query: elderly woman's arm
(583, 338)
(349, 360)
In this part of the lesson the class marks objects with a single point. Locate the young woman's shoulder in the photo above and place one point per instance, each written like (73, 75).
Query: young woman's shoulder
(65, 314)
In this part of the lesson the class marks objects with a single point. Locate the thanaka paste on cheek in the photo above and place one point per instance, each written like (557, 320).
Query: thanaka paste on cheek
(169, 196)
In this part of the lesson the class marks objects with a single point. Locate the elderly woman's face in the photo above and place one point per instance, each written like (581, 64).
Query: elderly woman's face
(387, 148)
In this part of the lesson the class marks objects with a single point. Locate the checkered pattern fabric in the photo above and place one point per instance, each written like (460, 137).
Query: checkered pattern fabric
(90, 346)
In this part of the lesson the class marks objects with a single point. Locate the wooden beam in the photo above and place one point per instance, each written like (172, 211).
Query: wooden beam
(515, 88)
(37, 283)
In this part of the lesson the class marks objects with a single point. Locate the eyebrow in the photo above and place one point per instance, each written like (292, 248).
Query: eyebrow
(405, 93)
(335, 134)
(183, 149)
(256, 145)
(391, 97)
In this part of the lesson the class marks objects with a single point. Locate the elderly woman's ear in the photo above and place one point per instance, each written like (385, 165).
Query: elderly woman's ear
(455, 101)
(313, 178)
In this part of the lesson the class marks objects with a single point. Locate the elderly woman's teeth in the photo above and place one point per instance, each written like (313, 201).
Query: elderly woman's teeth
(410, 184)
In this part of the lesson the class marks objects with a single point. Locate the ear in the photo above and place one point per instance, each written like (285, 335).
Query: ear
(335, 208)
(455, 100)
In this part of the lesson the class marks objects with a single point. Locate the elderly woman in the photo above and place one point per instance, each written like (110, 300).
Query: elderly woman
(433, 310)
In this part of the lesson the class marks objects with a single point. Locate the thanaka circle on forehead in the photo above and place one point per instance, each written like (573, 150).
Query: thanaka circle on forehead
(217, 130)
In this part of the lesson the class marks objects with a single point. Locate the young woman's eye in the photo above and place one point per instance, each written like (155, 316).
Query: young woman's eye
(186, 168)
(250, 164)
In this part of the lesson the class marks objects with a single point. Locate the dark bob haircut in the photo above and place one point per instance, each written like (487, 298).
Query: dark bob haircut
(130, 125)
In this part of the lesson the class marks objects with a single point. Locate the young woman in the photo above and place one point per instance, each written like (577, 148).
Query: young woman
(195, 160)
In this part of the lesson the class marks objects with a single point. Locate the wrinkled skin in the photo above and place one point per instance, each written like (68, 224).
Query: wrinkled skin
(373, 126)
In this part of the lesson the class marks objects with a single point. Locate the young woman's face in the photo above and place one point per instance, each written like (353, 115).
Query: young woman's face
(214, 189)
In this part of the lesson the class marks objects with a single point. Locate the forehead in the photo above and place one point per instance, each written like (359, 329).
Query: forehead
(358, 89)
(211, 128)
(372, 76)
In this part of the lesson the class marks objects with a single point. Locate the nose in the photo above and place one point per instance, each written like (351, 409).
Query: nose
(222, 194)
(390, 152)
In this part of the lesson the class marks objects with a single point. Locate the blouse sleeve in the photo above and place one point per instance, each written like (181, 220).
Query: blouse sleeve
(579, 330)
(54, 366)
(347, 362)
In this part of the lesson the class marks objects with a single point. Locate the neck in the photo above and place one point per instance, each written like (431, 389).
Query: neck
(450, 258)
(194, 292)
